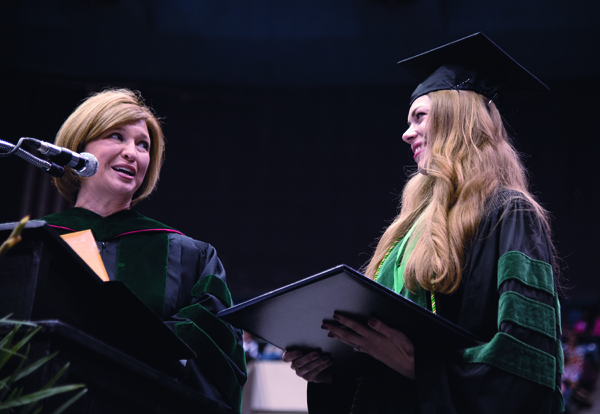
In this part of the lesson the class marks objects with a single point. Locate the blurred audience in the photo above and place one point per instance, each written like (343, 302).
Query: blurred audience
(581, 339)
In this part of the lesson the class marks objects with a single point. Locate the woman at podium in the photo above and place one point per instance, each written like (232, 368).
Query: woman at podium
(180, 279)
(472, 245)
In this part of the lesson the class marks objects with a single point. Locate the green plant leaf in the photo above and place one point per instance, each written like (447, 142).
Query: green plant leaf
(68, 403)
(24, 341)
(8, 355)
(25, 410)
(35, 365)
(15, 236)
(8, 338)
(36, 396)
(12, 378)
(57, 376)
(5, 387)
(7, 321)
(11, 396)
(6, 346)
(13, 351)
(29, 407)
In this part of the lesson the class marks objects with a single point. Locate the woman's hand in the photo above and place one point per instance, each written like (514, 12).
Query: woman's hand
(309, 366)
(386, 344)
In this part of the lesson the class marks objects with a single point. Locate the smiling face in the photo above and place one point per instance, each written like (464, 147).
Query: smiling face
(123, 158)
(416, 134)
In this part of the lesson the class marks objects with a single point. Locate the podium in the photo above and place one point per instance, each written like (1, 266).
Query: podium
(127, 357)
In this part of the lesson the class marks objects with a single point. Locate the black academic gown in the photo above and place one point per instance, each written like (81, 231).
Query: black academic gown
(182, 281)
(508, 300)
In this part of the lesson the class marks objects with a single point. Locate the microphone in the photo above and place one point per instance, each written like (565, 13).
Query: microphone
(84, 164)
(51, 168)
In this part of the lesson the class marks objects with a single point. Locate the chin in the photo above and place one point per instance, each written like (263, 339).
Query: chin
(123, 192)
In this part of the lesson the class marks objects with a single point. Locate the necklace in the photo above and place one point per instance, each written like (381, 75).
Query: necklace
(385, 258)
(394, 244)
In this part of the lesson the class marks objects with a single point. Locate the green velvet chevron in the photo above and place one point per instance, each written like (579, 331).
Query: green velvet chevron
(560, 356)
(509, 354)
(558, 405)
(213, 362)
(219, 331)
(534, 273)
(527, 313)
(215, 286)
(145, 254)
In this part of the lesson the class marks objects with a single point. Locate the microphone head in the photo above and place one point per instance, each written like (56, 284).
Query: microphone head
(91, 166)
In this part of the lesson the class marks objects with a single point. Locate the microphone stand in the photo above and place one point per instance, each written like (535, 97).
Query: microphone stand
(6, 149)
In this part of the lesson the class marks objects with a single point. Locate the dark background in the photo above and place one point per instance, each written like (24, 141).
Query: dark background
(284, 118)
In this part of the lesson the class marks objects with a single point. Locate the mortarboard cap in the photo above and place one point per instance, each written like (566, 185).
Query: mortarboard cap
(473, 63)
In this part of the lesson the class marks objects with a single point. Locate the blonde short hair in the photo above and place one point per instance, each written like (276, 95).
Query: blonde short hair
(99, 113)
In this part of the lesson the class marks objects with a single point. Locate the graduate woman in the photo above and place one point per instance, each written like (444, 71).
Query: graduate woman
(180, 279)
(470, 244)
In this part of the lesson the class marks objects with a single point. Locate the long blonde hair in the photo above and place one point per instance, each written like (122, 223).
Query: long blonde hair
(99, 113)
(470, 156)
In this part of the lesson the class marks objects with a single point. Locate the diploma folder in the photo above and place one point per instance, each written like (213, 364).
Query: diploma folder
(291, 317)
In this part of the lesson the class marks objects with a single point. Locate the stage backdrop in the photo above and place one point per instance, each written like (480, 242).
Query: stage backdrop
(284, 122)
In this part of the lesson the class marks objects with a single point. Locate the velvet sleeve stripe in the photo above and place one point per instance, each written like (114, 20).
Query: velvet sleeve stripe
(509, 354)
(527, 313)
(558, 405)
(557, 310)
(213, 363)
(560, 357)
(219, 331)
(215, 286)
(534, 273)
(139, 254)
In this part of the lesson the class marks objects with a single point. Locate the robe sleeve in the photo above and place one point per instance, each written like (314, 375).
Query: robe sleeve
(221, 360)
(509, 301)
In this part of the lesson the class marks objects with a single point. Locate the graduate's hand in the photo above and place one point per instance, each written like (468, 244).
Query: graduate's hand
(386, 344)
(309, 366)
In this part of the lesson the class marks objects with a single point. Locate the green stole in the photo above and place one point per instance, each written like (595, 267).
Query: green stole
(391, 274)
(143, 250)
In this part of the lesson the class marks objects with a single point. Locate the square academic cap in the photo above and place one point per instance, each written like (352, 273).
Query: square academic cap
(473, 63)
